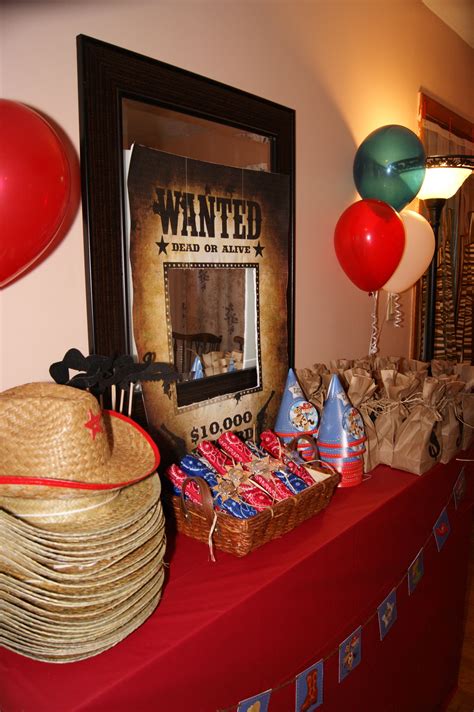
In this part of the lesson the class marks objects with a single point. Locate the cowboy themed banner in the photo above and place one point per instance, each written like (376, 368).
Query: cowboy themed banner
(309, 684)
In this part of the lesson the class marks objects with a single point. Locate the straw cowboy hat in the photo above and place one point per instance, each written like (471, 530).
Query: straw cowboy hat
(55, 441)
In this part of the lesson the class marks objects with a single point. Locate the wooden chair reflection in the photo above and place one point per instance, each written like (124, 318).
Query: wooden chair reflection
(187, 346)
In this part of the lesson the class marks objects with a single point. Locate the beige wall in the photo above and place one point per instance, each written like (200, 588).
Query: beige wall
(346, 67)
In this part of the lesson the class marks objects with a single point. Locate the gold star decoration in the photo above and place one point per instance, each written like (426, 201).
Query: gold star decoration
(265, 467)
(227, 490)
(237, 475)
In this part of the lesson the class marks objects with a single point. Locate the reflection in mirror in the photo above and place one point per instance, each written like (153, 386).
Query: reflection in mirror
(175, 132)
(185, 135)
(212, 318)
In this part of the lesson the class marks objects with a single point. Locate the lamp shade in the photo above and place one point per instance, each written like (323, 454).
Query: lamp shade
(445, 175)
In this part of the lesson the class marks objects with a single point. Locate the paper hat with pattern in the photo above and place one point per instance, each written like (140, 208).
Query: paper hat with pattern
(55, 436)
(296, 415)
(341, 436)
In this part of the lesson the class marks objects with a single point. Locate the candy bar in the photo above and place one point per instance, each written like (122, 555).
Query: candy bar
(177, 477)
(234, 447)
(284, 474)
(223, 464)
(292, 460)
(195, 467)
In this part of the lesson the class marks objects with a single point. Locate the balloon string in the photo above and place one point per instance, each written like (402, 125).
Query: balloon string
(397, 310)
(374, 335)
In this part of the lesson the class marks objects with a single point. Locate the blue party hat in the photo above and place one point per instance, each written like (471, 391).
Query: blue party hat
(196, 369)
(296, 415)
(341, 424)
(341, 435)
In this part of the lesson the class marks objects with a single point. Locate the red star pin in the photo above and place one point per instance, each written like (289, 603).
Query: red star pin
(94, 424)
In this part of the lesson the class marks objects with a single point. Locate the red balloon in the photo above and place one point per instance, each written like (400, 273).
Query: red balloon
(369, 241)
(34, 188)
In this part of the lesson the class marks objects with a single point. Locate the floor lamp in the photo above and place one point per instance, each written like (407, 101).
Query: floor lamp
(443, 178)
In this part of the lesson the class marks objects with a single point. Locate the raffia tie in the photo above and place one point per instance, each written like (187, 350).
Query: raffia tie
(265, 467)
(240, 476)
(226, 489)
(457, 408)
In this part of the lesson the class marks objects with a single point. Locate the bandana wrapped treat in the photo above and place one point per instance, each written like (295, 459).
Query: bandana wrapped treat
(177, 477)
(309, 474)
(342, 436)
(234, 474)
(293, 482)
(263, 470)
(224, 493)
(250, 492)
(296, 416)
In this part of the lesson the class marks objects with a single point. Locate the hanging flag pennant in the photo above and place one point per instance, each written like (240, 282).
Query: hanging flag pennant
(416, 571)
(258, 703)
(296, 416)
(309, 688)
(387, 613)
(441, 529)
(459, 489)
(350, 653)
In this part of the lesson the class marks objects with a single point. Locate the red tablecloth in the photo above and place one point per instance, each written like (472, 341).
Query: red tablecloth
(229, 630)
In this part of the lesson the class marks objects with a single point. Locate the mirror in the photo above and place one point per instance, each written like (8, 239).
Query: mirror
(194, 137)
(217, 334)
(126, 100)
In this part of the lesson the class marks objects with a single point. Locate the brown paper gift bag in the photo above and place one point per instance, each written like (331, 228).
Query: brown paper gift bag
(465, 372)
(395, 388)
(467, 415)
(448, 431)
(417, 447)
(313, 384)
(442, 368)
(411, 365)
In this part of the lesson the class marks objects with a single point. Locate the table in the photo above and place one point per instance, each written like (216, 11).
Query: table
(228, 630)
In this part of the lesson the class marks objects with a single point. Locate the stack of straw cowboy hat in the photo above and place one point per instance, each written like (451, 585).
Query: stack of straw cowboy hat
(81, 525)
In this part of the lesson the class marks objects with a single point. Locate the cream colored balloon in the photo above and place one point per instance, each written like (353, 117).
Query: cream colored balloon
(417, 254)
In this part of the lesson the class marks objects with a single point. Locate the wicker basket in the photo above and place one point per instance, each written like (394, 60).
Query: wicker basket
(241, 536)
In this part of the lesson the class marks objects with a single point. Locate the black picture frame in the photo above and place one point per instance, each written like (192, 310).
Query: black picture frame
(106, 75)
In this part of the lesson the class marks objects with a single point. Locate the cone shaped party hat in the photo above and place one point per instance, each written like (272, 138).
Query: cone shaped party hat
(196, 369)
(341, 435)
(296, 416)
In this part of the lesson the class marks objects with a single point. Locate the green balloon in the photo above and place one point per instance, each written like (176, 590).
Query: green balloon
(390, 166)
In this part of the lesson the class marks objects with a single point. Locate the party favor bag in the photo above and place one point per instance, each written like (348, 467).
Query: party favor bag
(313, 385)
(467, 415)
(449, 429)
(465, 409)
(392, 412)
(417, 447)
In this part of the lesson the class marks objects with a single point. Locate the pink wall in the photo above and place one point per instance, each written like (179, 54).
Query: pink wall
(346, 67)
